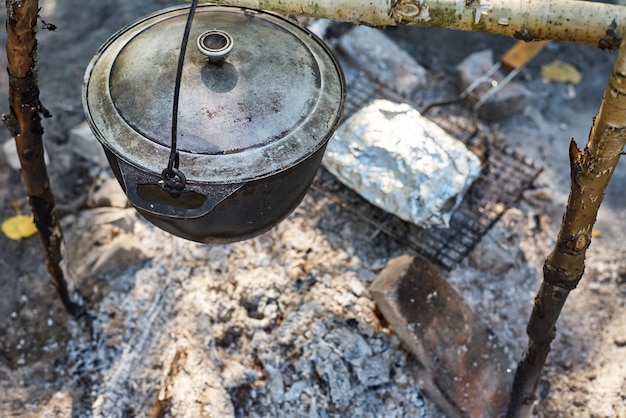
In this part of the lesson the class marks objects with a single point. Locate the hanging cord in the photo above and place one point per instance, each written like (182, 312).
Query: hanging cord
(172, 176)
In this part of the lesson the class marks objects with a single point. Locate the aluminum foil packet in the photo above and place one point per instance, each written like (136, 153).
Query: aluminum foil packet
(402, 162)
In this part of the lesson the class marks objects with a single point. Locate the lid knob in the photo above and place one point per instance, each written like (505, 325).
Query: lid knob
(215, 45)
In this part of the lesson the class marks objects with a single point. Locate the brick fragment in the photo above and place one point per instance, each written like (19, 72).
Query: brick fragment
(464, 371)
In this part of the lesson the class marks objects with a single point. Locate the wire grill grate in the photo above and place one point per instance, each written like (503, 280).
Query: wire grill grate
(504, 177)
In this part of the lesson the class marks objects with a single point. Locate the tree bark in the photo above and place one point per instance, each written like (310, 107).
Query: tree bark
(591, 171)
(529, 20)
(24, 122)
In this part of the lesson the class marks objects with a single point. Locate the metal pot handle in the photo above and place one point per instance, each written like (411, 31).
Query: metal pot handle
(145, 193)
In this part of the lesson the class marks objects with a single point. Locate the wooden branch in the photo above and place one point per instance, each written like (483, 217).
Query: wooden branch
(591, 171)
(562, 20)
(24, 122)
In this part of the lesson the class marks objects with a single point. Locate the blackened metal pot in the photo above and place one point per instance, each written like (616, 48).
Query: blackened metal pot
(259, 99)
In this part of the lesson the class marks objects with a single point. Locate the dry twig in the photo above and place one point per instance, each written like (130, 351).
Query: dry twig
(24, 122)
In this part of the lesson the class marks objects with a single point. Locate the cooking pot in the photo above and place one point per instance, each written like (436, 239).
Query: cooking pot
(259, 99)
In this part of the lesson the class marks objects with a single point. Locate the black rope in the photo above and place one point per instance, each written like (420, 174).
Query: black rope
(172, 175)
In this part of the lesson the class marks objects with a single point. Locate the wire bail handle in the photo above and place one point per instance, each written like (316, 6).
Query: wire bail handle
(172, 177)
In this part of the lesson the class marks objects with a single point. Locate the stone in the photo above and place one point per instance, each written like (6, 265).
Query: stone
(295, 391)
(8, 155)
(463, 369)
(352, 345)
(84, 144)
(110, 194)
(331, 369)
(275, 382)
(101, 240)
(122, 252)
(499, 250)
(509, 101)
(374, 372)
(378, 56)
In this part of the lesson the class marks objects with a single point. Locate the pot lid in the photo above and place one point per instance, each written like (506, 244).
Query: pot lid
(258, 93)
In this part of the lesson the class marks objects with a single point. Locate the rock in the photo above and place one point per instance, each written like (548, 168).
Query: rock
(275, 382)
(374, 53)
(319, 27)
(101, 240)
(8, 154)
(463, 370)
(374, 372)
(295, 391)
(353, 346)
(328, 30)
(499, 250)
(509, 101)
(84, 144)
(110, 194)
(331, 369)
(122, 251)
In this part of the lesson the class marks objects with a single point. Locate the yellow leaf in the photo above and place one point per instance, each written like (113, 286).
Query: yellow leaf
(560, 72)
(18, 227)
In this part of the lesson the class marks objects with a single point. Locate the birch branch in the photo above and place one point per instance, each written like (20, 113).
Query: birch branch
(529, 20)
(591, 171)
